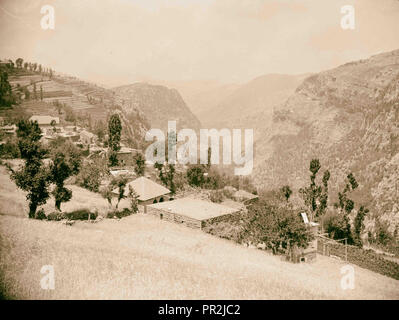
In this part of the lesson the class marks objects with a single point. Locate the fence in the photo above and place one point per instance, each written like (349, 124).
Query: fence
(367, 259)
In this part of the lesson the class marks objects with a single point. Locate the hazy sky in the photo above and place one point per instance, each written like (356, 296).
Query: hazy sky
(121, 41)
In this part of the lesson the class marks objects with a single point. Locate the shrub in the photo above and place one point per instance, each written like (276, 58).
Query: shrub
(81, 214)
(195, 175)
(216, 196)
(225, 230)
(119, 214)
(69, 114)
(180, 180)
(383, 236)
(228, 193)
(90, 176)
(9, 150)
(40, 215)
(55, 216)
(214, 180)
(337, 226)
(124, 213)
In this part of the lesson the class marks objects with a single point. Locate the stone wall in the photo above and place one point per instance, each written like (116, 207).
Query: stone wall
(181, 219)
(173, 217)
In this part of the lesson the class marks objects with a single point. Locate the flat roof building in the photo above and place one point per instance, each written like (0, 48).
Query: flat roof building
(192, 212)
(45, 120)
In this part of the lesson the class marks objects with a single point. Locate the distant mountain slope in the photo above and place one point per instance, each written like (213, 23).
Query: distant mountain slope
(158, 103)
(348, 117)
(252, 101)
(201, 96)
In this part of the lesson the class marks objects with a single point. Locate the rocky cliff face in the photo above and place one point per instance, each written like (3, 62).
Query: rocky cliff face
(159, 104)
(347, 117)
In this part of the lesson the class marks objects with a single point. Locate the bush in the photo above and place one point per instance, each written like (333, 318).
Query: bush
(119, 214)
(337, 226)
(214, 180)
(382, 234)
(82, 214)
(225, 230)
(180, 180)
(69, 114)
(9, 150)
(216, 196)
(90, 176)
(228, 193)
(195, 176)
(40, 215)
(55, 216)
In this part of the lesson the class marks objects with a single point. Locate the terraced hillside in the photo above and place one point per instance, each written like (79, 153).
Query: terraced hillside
(89, 103)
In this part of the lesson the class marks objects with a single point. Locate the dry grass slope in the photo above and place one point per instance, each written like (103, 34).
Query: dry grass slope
(141, 257)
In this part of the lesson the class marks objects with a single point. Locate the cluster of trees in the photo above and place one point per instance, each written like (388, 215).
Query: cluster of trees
(336, 222)
(34, 176)
(208, 177)
(275, 221)
(37, 178)
(7, 96)
(276, 224)
(33, 67)
(20, 66)
(7, 99)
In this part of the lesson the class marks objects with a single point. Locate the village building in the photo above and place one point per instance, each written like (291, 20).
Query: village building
(148, 191)
(71, 128)
(126, 155)
(245, 197)
(194, 213)
(45, 121)
(87, 138)
(9, 129)
(72, 136)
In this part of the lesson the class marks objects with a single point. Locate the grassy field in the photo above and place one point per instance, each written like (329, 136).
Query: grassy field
(141, 257)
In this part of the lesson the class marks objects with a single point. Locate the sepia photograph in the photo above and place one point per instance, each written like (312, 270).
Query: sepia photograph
(199, 154)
